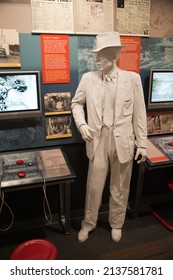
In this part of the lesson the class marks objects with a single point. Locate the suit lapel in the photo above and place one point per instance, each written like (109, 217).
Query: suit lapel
(96, 93)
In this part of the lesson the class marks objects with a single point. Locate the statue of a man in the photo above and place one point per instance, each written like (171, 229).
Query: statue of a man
(116, 121)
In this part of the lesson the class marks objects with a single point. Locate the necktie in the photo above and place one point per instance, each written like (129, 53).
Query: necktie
(108, 104)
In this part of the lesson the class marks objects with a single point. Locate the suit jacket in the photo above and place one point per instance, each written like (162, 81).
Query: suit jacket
(130, 112)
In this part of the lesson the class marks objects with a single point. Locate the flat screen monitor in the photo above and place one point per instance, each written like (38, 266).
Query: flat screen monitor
(160, 89)
(20, 95)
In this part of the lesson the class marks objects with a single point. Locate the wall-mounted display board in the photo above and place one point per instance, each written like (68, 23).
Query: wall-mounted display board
(55, 58)
(130, 55)
(156, 53)
(129, 58)
(32, 133)
(133, 17)
(73, 16)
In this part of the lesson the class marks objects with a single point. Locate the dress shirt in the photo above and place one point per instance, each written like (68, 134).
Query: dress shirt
(109, 86)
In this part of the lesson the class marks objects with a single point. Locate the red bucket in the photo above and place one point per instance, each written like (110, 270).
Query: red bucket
(36, 249)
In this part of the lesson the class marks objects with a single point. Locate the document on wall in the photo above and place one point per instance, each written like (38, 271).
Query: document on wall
(94, 16)
(133, 17)
(161, 23)
(73, 16)
(55, 16)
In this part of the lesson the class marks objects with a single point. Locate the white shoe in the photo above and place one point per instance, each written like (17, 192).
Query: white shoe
(116, 234)
(83, 235)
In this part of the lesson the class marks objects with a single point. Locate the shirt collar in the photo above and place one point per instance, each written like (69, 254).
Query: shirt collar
(112, 77)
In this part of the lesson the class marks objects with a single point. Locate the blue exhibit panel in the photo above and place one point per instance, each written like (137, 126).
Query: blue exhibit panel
(19, 134)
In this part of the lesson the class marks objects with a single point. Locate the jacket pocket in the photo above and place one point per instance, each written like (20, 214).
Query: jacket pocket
(125, 148)
(127, 107)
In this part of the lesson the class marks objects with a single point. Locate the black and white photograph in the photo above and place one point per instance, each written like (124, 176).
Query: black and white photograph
(159, 124)
(9, 48)
(154, 124)
(57, 103)
(58, 127)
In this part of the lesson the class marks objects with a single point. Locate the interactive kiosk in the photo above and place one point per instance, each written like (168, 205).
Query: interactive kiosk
(39, 168)
(160, 129)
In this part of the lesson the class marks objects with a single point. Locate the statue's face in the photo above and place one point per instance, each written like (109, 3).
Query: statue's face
(105, 59)
(104, 62)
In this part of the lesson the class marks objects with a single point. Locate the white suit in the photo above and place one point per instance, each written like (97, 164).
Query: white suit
(129, 126)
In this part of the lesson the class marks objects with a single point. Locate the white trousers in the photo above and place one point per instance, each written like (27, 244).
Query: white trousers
(106, 160)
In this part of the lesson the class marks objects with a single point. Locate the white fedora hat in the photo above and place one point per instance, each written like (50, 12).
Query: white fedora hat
(107, 40)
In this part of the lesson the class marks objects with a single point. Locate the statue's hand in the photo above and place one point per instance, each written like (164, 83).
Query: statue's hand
(86, 132)
(140, 155)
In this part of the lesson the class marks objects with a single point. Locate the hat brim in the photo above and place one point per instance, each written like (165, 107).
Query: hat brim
(119, 46)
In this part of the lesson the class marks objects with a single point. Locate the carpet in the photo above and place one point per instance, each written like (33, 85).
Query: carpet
(155, 250)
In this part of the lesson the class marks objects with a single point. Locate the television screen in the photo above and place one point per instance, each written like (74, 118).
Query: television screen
(20, 95)
(160, 89)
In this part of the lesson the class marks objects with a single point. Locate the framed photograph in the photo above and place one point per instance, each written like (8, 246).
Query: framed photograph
(58, 127)
(57, 103)
(9, 48)
(159, 123)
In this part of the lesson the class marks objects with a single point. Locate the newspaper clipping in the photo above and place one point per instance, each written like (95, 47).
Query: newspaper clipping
(69, 16)
(52, 16)
(133, 17)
